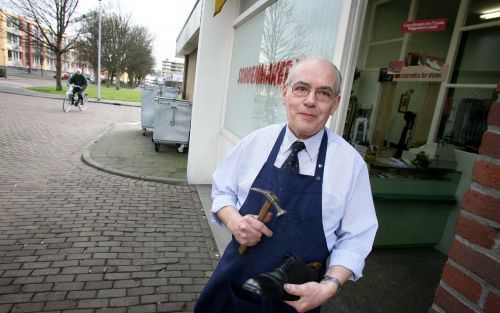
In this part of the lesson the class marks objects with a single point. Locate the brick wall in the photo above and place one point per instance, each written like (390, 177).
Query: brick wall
(471, 277)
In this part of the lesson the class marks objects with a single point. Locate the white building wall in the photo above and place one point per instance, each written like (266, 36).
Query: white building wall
(209, 142)
(214, 55)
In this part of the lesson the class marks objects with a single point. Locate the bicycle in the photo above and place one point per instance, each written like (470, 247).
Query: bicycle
(70, 101)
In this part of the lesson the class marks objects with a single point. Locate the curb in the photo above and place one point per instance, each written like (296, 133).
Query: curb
(87, 159)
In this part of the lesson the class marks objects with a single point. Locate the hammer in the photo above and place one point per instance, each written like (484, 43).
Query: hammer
(271, 200)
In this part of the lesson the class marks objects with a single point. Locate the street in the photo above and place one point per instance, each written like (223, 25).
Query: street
(73, 238)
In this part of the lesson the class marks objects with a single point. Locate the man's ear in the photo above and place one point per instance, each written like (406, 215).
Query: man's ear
(336, 103)
(283, 94)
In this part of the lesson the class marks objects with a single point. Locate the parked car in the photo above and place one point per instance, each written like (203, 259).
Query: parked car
(65, 76)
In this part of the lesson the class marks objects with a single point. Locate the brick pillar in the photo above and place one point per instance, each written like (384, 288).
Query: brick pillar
(470, 282)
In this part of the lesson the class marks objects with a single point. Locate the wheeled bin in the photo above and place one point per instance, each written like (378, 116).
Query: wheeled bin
(148, 93)
(172, 122)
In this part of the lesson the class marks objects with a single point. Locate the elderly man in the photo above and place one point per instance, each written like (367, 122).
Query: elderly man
(80, 83)
(322, 183)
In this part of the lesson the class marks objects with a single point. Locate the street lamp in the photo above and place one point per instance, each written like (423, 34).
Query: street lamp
(99, 58)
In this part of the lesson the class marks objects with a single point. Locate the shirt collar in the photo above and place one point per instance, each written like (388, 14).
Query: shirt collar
(312, 143)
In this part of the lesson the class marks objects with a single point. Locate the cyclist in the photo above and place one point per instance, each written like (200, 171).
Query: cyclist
(80, 83)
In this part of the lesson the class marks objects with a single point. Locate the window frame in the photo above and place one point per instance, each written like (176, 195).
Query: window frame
(446, 84)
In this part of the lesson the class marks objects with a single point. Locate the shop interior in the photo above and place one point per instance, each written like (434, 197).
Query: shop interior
(424, 82)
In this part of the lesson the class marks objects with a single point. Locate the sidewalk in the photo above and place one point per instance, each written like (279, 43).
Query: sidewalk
(125, 151)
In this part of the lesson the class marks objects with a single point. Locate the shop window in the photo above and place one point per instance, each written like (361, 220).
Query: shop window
(381, 54)
(477, 60)
(245, 4)
(474, 76)
(264, 47)
(464, 117)
(469, 98)
(483, 11)
(392, 13)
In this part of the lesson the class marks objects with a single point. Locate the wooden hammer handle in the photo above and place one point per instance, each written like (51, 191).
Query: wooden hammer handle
(262, 214)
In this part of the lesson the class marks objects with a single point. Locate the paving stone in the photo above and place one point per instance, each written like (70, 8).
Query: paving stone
(37, 287)
(112, 293)
(93, 303)
(124, 301)
(50, 296)
(171, 306)
(60, 305)
(27, 307)
(5, 308)
(81, 294)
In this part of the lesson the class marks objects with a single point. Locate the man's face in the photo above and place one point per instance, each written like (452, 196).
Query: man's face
(306, 114)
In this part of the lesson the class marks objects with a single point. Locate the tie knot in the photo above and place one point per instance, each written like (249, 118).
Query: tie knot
(298, 146)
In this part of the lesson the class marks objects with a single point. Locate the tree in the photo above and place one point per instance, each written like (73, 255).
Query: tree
(117, 37)
(87, 44)
(125, 47)
(140, 58)
(52, 19)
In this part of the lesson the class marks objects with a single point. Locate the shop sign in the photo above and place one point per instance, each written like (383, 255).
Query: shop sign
(431, 25)
(263, 74)
(420, 73)
(417, 67)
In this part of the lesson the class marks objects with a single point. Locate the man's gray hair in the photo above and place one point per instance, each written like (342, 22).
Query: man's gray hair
(335, 70)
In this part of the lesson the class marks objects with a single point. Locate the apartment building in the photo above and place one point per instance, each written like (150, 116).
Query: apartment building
(21, 53)
(172, 70)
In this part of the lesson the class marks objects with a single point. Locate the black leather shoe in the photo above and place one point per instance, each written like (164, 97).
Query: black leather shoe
(293, 271)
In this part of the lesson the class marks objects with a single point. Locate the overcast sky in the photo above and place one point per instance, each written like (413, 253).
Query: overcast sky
(163, 18)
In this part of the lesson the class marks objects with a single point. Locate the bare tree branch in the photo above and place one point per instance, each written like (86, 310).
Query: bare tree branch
(52, 20)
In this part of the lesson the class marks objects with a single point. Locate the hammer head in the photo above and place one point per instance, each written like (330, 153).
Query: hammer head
(272, 198)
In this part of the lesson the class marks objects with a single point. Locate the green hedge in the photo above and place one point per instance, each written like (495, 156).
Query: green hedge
(2, 72)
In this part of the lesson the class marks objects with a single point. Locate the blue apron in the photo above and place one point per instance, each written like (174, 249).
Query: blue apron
(299, 232)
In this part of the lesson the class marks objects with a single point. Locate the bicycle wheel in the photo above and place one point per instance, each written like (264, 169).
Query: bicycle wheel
(67, 104)
(83, 105)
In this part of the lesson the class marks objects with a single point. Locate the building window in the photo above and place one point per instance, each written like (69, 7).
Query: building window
(471, 91)
(265, 46)
(12, 22)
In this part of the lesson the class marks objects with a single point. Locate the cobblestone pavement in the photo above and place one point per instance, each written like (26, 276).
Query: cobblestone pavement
(76, 239)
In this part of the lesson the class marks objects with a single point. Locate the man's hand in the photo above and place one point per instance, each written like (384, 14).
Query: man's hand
(312, 295)
(248, 230)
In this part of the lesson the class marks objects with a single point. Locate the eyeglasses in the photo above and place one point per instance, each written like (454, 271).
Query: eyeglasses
(322, 94)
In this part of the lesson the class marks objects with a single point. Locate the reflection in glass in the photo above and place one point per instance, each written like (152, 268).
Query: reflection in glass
(477, 60)
(264, 48)
(393, 14)
(464, 117)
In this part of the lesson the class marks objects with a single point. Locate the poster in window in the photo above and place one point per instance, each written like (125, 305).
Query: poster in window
(404, 102)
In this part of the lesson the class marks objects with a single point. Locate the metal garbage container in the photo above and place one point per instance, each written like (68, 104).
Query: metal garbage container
(172, 122)
(148, 93)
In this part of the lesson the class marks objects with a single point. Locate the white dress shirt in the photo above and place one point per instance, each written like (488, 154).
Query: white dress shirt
(349, 219)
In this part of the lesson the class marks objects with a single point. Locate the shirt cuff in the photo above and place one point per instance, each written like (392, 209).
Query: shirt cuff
(218, 204)
(350, 260)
